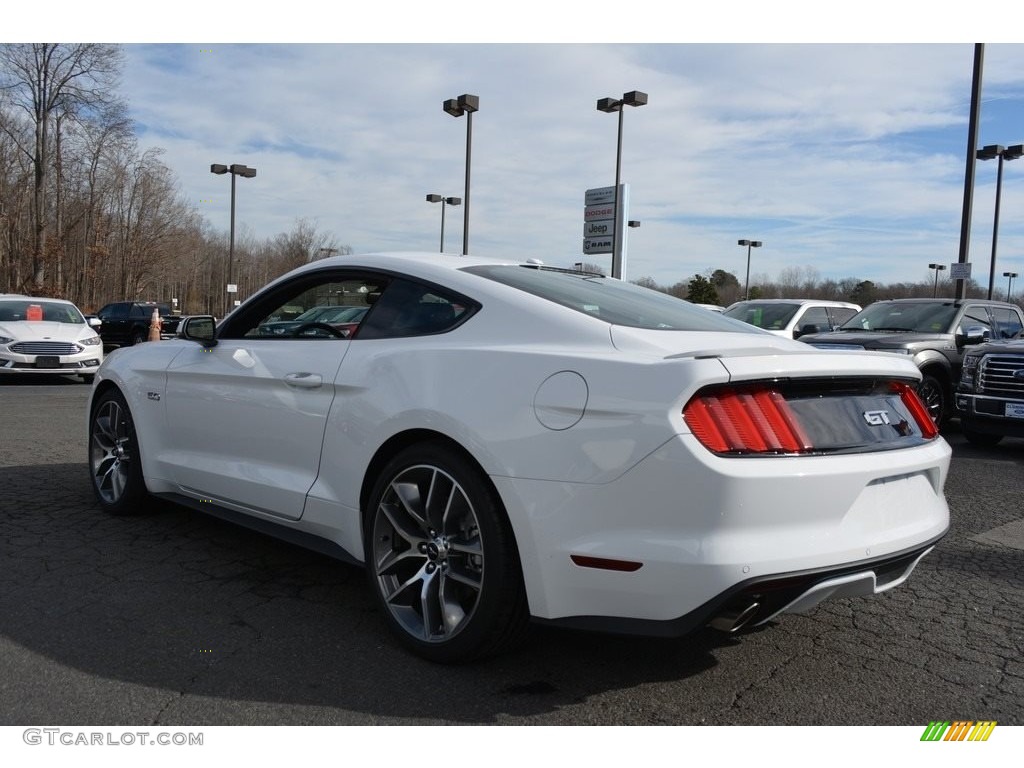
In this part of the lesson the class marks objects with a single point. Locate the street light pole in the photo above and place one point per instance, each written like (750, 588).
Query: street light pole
(938, 268)
(1003, 153)
(750, 244)
(630, 99)
(443, 201)
(1009, 282)
(235, 170)
(466, 104)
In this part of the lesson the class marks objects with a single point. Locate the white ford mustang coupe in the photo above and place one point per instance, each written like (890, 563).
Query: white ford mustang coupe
(500, 441)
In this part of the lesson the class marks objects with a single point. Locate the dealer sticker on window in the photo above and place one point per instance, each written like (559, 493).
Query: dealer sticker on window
(1015, 410)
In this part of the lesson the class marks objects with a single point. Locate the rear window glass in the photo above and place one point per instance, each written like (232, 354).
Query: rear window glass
(608, 299)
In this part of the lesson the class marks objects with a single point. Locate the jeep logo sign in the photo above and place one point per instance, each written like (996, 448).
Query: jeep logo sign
(877, 418)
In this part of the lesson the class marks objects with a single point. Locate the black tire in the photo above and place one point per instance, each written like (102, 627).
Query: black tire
(441, 557)
(933, 393)
(981, 439)
(115, 467)
(138, 338)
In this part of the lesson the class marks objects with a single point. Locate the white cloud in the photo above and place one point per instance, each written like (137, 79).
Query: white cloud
(847, 157)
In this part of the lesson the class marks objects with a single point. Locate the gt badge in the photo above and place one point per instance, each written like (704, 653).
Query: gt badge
(877, 418)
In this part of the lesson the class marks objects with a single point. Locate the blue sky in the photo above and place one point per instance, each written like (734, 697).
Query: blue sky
(842, 156)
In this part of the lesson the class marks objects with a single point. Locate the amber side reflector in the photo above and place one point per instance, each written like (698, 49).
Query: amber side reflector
(606, 564)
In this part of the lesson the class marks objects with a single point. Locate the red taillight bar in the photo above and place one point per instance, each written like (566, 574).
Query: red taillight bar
(748, 421)
(929, 429)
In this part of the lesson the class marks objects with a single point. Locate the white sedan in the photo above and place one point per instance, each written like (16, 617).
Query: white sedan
(500, 441)
(46, 336)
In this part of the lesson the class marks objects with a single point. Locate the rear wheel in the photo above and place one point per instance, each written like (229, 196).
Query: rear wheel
(441, 557)
(115, 469)
(138, 338)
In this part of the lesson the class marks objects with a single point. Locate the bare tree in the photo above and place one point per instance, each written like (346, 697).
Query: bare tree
(47, 81)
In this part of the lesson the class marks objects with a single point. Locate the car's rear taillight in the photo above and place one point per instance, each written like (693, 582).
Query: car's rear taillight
(800, 417)
(917, 408)
(747, 421)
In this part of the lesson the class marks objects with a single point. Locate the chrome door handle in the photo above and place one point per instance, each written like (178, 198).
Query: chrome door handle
(303, 380)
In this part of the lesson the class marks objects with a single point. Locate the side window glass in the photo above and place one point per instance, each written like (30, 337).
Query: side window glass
(139, 312)
(114, 312)
(317, 306)
(407, 308)
(1007, 323)
(841, 314)
(816, 317)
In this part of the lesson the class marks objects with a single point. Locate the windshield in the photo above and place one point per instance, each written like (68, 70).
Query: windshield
(608, 299)
(771, 316)
(919, 317)
(15, 310)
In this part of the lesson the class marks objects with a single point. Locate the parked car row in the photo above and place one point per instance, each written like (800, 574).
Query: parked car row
(935, 334)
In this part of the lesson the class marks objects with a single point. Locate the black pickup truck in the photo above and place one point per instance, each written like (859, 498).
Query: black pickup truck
(990, 398)
(127, 322)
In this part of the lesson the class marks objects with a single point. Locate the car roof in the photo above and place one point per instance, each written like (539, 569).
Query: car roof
(940, 300)
(35, 298)
(824, 302)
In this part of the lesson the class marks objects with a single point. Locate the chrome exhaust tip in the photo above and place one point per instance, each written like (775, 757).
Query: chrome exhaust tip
(734, 619)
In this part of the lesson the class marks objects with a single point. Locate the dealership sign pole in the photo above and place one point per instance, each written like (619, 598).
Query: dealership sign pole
(604, 225)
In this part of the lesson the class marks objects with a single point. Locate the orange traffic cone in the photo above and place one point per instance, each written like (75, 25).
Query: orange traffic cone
(154, 326)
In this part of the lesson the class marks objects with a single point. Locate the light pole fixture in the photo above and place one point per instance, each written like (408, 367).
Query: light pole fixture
(938, 268)
(1009, 282)
(444, 201)
(750, 244)
(466, 104)
(990, 152)
(248, 173)
(629, 99)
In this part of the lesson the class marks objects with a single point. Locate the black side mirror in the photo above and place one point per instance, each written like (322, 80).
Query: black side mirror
(199, 328)
(804, 330)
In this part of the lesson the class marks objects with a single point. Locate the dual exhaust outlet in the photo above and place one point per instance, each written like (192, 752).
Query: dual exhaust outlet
(736, 617)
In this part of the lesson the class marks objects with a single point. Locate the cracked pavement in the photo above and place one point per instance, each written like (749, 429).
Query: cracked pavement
(175, 618)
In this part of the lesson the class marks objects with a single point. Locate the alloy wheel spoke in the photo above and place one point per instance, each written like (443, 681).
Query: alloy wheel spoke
(431, 604)
(388, 564)
(401, 526)
(409, 496)
(452, 612)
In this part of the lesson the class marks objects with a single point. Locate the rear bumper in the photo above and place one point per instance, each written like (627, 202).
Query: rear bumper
(700, 529)
(759, 600)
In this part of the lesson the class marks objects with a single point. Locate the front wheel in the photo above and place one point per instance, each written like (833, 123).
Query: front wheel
(115, 468)
(441, 557)
(981, 439)
(933, 394)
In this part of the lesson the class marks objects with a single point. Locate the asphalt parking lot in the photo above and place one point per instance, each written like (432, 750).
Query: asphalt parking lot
(174, 618)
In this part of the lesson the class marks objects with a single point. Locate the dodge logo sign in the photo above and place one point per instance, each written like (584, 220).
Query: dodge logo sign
(1019, 374)
(877, 418)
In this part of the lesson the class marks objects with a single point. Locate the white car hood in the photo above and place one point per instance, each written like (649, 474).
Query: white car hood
(28, 330)
(762, 355)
